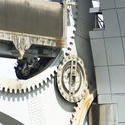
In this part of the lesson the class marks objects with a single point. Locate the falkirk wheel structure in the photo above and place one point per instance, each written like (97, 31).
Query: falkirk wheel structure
(55, 80)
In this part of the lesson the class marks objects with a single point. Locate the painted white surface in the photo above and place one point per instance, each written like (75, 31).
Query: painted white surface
(37, 108)
(43, 107)
(7, 68)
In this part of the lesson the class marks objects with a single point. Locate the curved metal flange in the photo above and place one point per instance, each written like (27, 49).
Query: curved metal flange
(81, 110)
(71, 79)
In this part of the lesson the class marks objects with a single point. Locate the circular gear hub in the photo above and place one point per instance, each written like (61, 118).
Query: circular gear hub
(71, 79)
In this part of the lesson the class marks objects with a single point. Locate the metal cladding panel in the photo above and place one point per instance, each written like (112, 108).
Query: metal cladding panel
(102, 78)
(106, 4)
(114, 32)
(28, 16)
(123, 38)
(120, 99)
(96, 34)
(99, 54)
(111, 23)
(106, 114)
(121, 15)
(120, 3)
(117, 76)
(104, 99)
(114, 48)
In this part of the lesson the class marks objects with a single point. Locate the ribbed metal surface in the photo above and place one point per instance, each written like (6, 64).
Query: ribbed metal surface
(28, 16)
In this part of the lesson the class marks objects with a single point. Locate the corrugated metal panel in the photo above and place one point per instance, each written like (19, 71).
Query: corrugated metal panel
(28, 16)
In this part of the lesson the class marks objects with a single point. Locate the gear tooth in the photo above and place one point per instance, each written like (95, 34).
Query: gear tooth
(62, 93)
(28, 89)
(6, 89)
(69, 48)
(32, 87)
(10, 90)
(79, 106)
(60, 68)
(44, 82)
(77, 99)
(83, 93)
(47, 79)
(73, 114)
(59, 87)
(22, 90)
(52, 75)
(14, 91)
(58, 75)
(55, 72)
(19, 90)
(86, 85)
(36, 86)
(71, 121)
(40, 85)
(2, 89)
(71, 43)
(80, 98)
(84, 90)
(74, 99)
(66, 54)
(66, 98)
(70, 99)
(75, 108)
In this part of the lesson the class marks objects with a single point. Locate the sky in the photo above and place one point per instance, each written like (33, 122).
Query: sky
(95, 3)
(7, 68)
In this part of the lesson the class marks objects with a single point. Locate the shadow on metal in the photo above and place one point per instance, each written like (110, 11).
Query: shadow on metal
(7, 120)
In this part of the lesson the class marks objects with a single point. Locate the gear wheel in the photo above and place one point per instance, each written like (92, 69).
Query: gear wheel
(81, 110)
(19, 86)
(71, 79)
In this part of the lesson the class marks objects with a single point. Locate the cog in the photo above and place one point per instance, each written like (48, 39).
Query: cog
(19, 86)
(78, 117)
(71, 79)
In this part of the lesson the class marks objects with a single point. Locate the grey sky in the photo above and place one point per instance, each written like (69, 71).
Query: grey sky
(7, 68)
